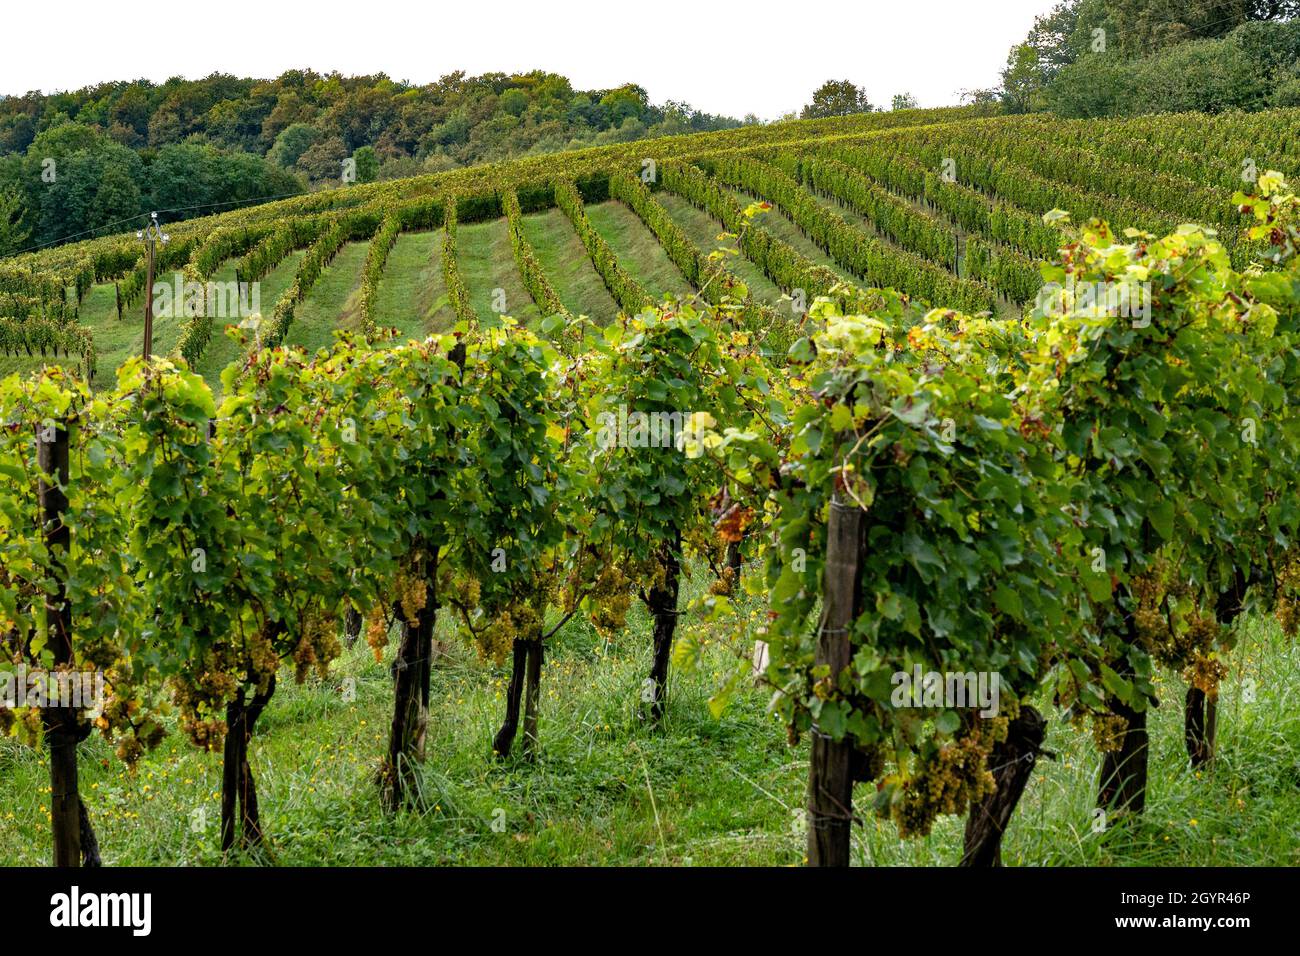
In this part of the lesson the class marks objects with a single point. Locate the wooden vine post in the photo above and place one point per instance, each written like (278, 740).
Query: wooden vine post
(1200, 724)
(830, 770)
(152, 234)
(60, 722)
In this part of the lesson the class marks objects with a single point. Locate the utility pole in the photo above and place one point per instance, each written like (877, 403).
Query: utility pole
(152, 234)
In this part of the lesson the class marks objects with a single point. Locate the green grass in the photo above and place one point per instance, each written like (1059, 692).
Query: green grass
(487, 264)
(412, 295)
(332, 302)
(781, 226)
(704, 231)
(638, 250)
(115, 341)
(222, 350)
(565, 261)
(607, 789)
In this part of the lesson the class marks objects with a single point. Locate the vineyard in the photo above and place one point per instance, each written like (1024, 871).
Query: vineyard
(590, 507)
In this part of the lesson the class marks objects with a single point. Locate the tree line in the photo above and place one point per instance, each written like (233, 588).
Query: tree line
(1125, 57)
(83, 160)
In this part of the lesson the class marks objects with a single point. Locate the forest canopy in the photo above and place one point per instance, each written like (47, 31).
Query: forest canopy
(81, 161)
(1126, 57)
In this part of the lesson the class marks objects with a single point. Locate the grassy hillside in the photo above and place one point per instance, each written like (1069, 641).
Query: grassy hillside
(944, 205)
(609, 790)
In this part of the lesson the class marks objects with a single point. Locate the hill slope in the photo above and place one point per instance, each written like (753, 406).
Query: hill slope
(944, 205)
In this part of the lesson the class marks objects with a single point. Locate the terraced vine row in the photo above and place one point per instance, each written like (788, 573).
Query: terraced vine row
(456, 289)
(943, 206)
(530, 269)
(376, 258)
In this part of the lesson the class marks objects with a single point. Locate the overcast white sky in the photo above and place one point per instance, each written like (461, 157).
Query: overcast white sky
(734, 58)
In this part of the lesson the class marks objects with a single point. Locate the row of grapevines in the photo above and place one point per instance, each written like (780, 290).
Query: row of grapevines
(1177, 142)
(376, 258)
(968, 208)
(48, 338)
(1099, 510)
(26, 293)
(910, 227)
(1221, 167)
(224, 243)
(1084, 167)
(420, 214)
(457, 292)
(530, 268)
(1004, 269)
(627, 292)
(1060, 504)
(272, 249)
(851, 248)
(1025, 188)
(792, 272)
(706, 272)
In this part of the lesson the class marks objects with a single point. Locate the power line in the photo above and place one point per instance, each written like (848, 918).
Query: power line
(110, 225)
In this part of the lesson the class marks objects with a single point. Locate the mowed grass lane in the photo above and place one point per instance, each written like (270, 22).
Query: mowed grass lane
(222, 350)
(487, 264)
(638, 250)
(332, 302)
(567, 266)
(412, 295)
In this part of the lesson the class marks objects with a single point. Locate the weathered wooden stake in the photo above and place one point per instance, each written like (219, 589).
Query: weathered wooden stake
(830, 771)
(60, 722)
(1200, 722)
